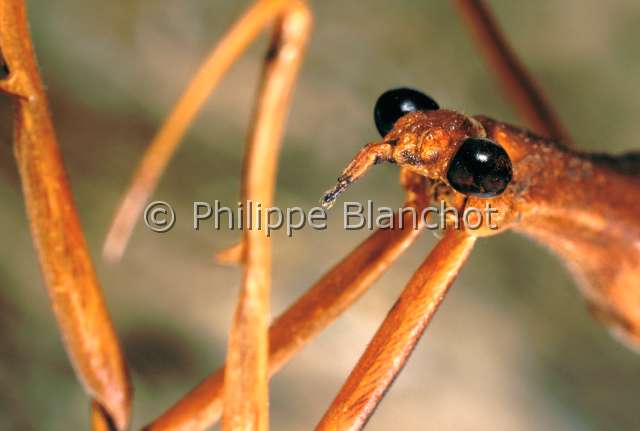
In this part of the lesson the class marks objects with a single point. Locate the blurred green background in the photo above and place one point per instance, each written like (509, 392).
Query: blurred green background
(513, 347)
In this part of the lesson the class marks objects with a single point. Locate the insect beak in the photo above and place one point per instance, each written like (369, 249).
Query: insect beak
(369, 155)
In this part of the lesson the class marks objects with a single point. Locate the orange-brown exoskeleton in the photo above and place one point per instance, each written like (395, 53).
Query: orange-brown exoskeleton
(584, 207)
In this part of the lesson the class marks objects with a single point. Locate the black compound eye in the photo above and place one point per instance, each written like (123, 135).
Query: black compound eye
(398, 102)
(480, 168)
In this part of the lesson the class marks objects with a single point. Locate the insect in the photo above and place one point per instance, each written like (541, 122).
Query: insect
(564, 199)
(580, 205)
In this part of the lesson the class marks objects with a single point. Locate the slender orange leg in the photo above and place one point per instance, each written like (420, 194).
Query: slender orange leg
(519, 86)
(390, 348)
(246, 377)
(306, 318)
(69, 274)
(164, 144)
(247, 392)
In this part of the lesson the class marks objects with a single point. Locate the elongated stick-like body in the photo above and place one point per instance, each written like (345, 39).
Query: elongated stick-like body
(69, 275)
(585, 208)
(582, 206)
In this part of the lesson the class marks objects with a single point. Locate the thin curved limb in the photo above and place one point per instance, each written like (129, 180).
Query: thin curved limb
(164, 144)
(396, 338)
(246, 376)
(520, 87)
(70, 278)
(305, 319)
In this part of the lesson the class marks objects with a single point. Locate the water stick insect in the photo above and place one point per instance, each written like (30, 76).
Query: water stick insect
(582, 206)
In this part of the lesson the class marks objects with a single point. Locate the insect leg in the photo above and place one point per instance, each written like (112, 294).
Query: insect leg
(164, 144)
(518, 84)
(303, 320)
(70, 278)
(246, 376)
(396, 338)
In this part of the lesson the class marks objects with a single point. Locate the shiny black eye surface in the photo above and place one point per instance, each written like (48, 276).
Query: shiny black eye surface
(480, 168)
(398, 102)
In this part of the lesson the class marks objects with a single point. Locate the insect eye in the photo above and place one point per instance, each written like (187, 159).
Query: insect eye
(398, 102)
(480, 168)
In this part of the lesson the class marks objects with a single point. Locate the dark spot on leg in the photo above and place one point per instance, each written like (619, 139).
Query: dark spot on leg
(4, 68)
(273, 51)
(109, 421)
